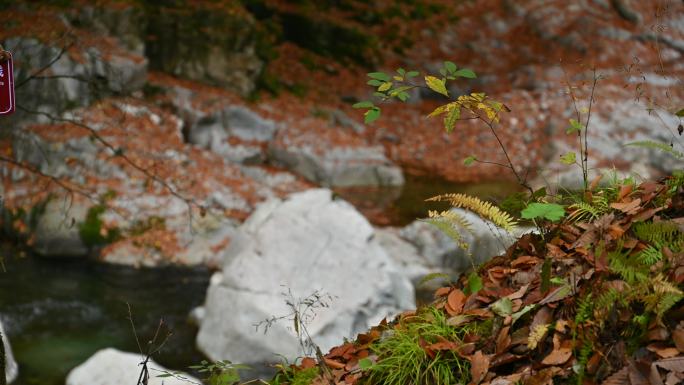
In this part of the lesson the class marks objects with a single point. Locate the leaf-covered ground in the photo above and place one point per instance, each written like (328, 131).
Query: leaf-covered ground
(596, 299)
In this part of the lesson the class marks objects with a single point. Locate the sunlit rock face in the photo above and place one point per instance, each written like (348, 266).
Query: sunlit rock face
(308, 243)
(113, 367)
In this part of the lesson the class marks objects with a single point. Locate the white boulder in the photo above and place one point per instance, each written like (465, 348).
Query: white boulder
(307, 243)
(113, 367)
(11, 367)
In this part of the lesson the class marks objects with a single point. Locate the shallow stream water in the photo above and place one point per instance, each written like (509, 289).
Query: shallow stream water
(57, 313)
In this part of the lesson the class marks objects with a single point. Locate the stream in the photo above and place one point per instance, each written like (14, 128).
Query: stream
(57, 313)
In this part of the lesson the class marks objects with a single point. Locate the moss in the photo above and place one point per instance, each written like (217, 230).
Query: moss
(305, 376)
(91, 229)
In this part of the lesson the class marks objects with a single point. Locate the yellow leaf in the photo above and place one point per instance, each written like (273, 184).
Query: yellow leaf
(436, 85)
(385, 86)
(439, 110)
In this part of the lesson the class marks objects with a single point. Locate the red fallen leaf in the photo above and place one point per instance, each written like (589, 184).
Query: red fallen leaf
(593, 363)
(518, 294)
(442, 291)
(678, 338)
(333, 364)
(482, 313)
(624, 191)
(627, 208)
(455, 302)
(663, 351)
(503, 359)
(558, 356)
(595, 182)
(341, 350)
(615, 231)
(526, 260)
(503, 340)
(444, 345)
(646, 214)
(658, 334)
(555, 251)
(466, 349)
(307, 363)
(479, 366)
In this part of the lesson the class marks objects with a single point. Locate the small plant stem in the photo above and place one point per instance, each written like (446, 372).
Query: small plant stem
(585, 170)
(520, 180)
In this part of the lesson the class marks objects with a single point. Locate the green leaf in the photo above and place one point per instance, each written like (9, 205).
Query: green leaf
(516, 316)
(502, 307)
(374, 82)
(403, 96)
(450, 66)
(371, 115)
(550, 211)
(436, 85)
(385, 86)
(538, 194)
(412, 74)
(401, 71)
(575, 126)
(379, 76)
(466, 73)
(680, 113)
(469, 160)
(364, 104)
(365, 363)
(432, 277)
(474, 283)
(568, 158)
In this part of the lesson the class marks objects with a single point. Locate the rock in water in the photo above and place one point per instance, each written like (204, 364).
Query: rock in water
(309, 242)
(113, 367)
(11, 367)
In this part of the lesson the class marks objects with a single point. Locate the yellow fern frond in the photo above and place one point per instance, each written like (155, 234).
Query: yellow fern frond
(536, 335)
(484, 209)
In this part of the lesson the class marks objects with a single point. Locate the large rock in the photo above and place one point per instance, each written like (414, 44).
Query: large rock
(113, 367)
(338, 166)
(79, 78)
(235, 132)
(57, 229)
(307, 243)
(11, 367)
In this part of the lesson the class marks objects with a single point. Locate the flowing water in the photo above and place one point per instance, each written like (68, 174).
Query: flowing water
(57, 313)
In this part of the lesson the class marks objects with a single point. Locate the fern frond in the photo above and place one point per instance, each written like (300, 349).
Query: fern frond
(664, 147)
(583, 212)
(484, 209)
(660, 234)
(585, 309)
(450, 224)
(662, 296)
(650, 256)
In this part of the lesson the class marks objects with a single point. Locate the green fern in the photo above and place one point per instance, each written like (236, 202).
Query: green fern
(583, 211)
(585, 309)
(649, 256)
(664, 147)
(660, 234)
(628, 268)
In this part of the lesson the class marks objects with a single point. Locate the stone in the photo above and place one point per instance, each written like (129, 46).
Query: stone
(485, 241)
(113, 367)
(288, 250)
(57, 230)
(341, 166)
(11, 367)
(91, 75)
(218, 132)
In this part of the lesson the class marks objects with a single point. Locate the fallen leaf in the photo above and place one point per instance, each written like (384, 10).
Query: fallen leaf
(455, 301)
(678, 338)
(627, 208)
(558, 356)
(663, 351)
(479, 366)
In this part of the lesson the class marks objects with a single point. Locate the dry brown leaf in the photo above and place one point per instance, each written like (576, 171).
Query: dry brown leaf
(518, 294)
(624, 191)
(442, 291)
(663, 351)
(479, 366)
(455, 302)
(621, 377)
(525, 260)
(503, 340)
(627, 208)
(559, 355)
(678, 338)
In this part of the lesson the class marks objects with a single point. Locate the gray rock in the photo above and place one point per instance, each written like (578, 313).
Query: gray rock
(57, 230)
(213, 132)
(11, 367)
(113, 367)
(485, 241)
(339, 166)
(305, 244)
(77, 83)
